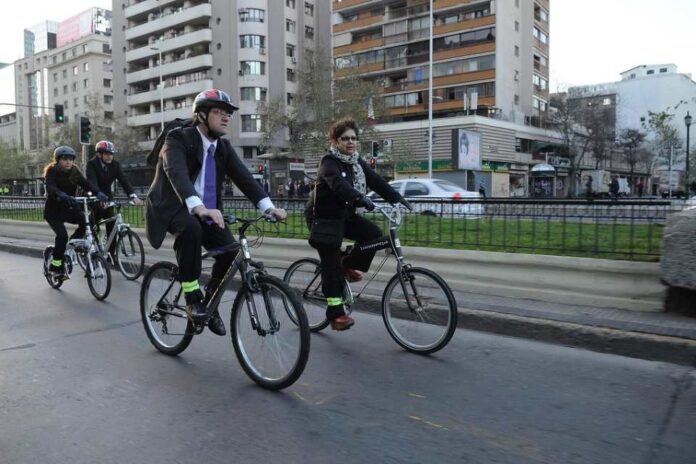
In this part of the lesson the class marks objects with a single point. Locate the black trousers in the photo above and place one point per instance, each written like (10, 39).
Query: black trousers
(191, 234)
(58, 226)
(360, 230)
(105, 213)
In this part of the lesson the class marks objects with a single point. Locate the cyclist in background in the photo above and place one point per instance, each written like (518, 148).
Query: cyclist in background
(62, 180)
(185, 198)
(102, 171)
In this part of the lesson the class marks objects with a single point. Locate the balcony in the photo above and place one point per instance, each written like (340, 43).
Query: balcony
(144, 7)
(464, 51)
(189, 88)
(149, 119)
(439, 106)
(345, 4)
(443, 4)
(177, 67)
(358, 23)
(358, 47)
(441, 81)
(203, 11)
(175, 43)
(372, 67)
(465, 25)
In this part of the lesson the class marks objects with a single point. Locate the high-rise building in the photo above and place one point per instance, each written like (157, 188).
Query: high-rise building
(40, 37)
(249, 48)
(490, 64)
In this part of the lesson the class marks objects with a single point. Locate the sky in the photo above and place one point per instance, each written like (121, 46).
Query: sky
(592, 41)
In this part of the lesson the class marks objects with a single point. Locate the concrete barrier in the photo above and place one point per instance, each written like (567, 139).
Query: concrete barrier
(568, 280)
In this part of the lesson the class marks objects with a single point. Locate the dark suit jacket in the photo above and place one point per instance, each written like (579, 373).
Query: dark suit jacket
(57, 181)
(334, 189)
(180, 162)
(104, 177)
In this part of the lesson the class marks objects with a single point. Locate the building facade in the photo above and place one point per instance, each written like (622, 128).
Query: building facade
(490, 86)
(249, 48)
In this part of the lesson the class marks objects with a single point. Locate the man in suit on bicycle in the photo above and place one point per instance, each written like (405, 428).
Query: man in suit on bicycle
(103, 170)
(185, 197)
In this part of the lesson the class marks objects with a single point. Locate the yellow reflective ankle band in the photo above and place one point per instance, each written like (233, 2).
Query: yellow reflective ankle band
(56, 262)
(190, 286)
(334, 301)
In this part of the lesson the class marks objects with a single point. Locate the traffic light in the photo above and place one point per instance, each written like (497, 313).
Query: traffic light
(375, 149)
(60, 117)
(85, 130)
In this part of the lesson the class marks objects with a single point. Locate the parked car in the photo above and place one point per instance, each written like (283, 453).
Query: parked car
(437, 197)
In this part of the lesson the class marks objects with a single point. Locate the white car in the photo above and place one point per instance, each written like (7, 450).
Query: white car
(437, 196)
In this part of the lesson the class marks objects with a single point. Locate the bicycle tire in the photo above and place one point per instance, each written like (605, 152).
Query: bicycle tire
(180, 338)
(130, 255)
(298, 276)
(96, 273)
(436, 321)
(295, 333)
(52, 281)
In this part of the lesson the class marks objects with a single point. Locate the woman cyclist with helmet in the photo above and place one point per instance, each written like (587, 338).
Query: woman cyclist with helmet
(185, 197)
(102, 171)
(62, 180)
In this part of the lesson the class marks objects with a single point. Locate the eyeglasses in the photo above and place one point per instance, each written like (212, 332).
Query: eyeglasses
(347, 138)
(219, 112)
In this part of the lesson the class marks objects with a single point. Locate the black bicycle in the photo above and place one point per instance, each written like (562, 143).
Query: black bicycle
(268, 325)
(418, 307)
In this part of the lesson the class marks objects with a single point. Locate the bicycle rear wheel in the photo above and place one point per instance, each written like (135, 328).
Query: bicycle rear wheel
(98, 276)
(162, 310)
(420, 312)
(130, 256)
(304, 277)
(274, 353)
(50, 277)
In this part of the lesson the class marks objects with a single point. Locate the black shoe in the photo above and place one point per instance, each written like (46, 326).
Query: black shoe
(216, 325)
(58, 272)
(194, 305)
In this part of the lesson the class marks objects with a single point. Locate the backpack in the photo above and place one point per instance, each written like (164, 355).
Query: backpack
(153, 156)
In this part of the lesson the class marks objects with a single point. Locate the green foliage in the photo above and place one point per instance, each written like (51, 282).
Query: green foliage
(12, 162)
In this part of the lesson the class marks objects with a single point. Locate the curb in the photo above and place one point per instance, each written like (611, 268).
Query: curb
(639, 345)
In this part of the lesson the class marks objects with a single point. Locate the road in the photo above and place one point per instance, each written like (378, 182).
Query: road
(80, 383)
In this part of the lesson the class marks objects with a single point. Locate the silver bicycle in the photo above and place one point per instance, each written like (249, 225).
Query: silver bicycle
(86, 252)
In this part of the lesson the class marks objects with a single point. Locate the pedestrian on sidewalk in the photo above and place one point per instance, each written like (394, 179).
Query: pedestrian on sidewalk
(62, 180)
(341, 187)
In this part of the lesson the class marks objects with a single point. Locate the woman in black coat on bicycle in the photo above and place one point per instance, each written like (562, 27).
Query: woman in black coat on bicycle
(341, 187)
(62, 179)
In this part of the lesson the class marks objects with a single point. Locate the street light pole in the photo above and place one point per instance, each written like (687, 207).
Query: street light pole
(430, 97)
(687, 121)
(161, 87)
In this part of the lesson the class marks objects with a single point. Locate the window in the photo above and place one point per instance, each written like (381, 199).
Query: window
(106, 83)
(606, 101)
(65, 74)
(541, 35)
(416, 189)
(253, 93)
(309, 32)
(517, 50)
(290, 4)
(73, 51)
(289, 50)
(308, 9)
(517, 100)
(74, 86)
(290, 99)
(85, 99)
(253, 67)
(65, 89)
(517, 26)
(85, 48)
(249, 152)
(108, 99)
(85, 83)
(252, 41)
(85, 67)
(290, 75)
(55, 77)
(54, 58)
(251, 15)
(252, 123)
(663, 70)
(55, 92)
(63, 56)
(74, 70)
(290, 25)
(75, 102)
(651, 71)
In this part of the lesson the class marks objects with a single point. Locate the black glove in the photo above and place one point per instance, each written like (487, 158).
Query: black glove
(66, 199)
(364, 202)
(406, 203)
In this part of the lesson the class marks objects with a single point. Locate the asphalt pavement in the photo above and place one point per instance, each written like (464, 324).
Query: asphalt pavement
(80, 383)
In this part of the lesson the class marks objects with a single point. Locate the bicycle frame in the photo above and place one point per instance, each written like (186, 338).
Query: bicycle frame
(88, 242)
(119, 227)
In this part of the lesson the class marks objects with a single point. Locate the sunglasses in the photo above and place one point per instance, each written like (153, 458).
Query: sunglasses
(347, 138)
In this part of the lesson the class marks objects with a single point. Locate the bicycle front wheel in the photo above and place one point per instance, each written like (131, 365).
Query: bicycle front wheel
(130, 256)
(98, 276)
(419, 310)
(162, 310)
(304, 277)
(270, 334)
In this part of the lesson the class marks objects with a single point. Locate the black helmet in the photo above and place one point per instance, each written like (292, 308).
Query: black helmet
(64, 152)
(213, 98)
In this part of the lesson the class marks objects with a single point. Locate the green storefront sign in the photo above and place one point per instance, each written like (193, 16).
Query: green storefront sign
(495, 166)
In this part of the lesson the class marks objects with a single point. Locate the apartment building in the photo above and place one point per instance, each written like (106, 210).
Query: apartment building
(249, 48)
(490, 77)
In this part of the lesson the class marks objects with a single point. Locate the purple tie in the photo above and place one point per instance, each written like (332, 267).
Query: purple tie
(209, 183)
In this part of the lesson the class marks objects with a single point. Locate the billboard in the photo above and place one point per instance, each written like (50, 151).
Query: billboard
(466, 149)
(93, 21)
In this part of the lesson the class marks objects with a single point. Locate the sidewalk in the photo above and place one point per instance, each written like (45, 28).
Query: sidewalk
(647, 335)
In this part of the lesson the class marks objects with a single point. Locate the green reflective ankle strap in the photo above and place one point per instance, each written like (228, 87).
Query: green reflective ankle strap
(334, 301)
(56, 262)
(190, 286)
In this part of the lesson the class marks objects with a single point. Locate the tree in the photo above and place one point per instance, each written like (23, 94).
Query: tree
(632, 140)
(665, 137)
(12, 161)
(575, 137)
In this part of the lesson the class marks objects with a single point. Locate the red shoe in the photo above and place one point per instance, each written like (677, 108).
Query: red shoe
(342, 323)
(352, 275)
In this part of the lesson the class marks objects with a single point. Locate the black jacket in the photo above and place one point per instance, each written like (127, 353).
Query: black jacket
(335, 194)
(180, 162)
(103, 176)
(58, 180)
